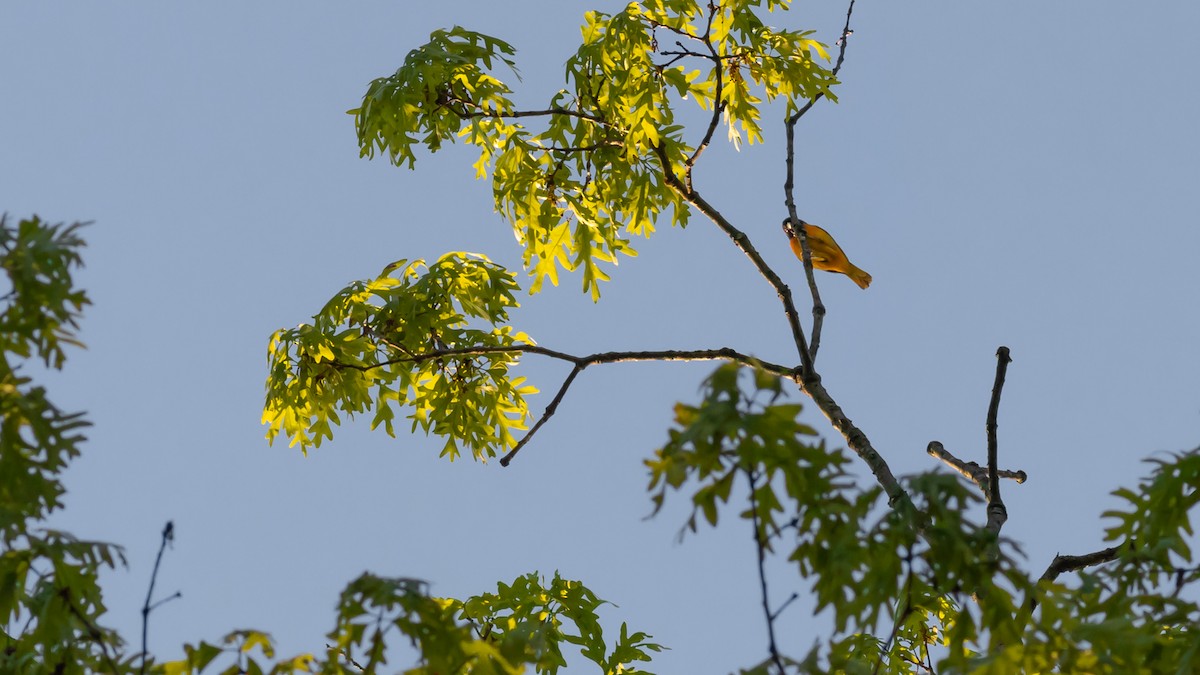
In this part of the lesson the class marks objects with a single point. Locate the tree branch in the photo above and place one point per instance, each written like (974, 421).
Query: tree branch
(1071, 563)
(550, 410)
(971, 470)
(580, 363)
(168, 535)
(446, 99)
(789, 184)
(997, 514)
(842, 42)
(818, 307)
(722, 353)
(760, 548)
(807, 377)
(719, 106)
(743, 243)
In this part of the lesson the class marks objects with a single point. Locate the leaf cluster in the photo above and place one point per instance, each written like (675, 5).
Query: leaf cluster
(430, 337)
(50, 599)
(523, 624)
(607, 161)
(920, 566)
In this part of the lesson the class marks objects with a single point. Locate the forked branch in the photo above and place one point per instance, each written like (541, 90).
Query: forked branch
(818, 308)
(168, 536)
(579, 363)
(972, 471)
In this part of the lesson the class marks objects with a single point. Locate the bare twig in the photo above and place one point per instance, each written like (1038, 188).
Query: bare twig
(856, 439)
(742, 241)
(580, 363)
(1071, 563)
(550, 409)
(719, 106)
(345, 653)
(760, 546)
(720, 354)
(779, 610)
(842, 42)
(479, 111)
(997, 514)
(789, 183)
(972, 471)
(168, 535)
(818, 307)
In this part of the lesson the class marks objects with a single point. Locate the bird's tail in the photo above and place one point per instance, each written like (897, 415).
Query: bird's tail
(859, 277)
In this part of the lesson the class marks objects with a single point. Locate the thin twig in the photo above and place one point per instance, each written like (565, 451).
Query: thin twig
(818, 308)
(842, 42)
(806, 376)
(94, 631)
(760, 548)
(480, 111)
(168, 535)
(719, 106)
(779, 610)
(972, 471)
(550, 409)
(347, 655)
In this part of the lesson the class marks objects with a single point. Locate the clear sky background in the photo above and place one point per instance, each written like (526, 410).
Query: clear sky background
(1022, 174)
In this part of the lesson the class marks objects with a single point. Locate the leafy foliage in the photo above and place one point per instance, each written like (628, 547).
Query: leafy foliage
(50, 599)
(406, 338)
(598, 169)
(521, 624)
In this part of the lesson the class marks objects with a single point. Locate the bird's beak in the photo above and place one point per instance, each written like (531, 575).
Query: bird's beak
(787, 227)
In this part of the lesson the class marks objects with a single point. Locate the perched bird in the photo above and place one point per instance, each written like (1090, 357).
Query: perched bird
(826, 254)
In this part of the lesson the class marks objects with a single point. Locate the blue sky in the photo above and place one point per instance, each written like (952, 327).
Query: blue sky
(1021, 174)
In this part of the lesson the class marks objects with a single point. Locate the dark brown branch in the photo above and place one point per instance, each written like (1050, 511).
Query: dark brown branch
(818, 309)
(580, 363)
(550, 410)
(723, 353)
(1071, 563)
(855, 438)
(779, 610)
(972, 471)
(842, 42)
(743, 243)
(997, 514)
(447, 99)
(719, 104)
(168, 535)
(807, 378)
(584, 148)
(760, 546)
(678, 31)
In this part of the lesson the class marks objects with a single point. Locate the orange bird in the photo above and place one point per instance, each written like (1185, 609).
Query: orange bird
(826, 254)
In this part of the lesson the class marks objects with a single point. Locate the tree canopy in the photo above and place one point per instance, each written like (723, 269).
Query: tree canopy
(914, 573)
